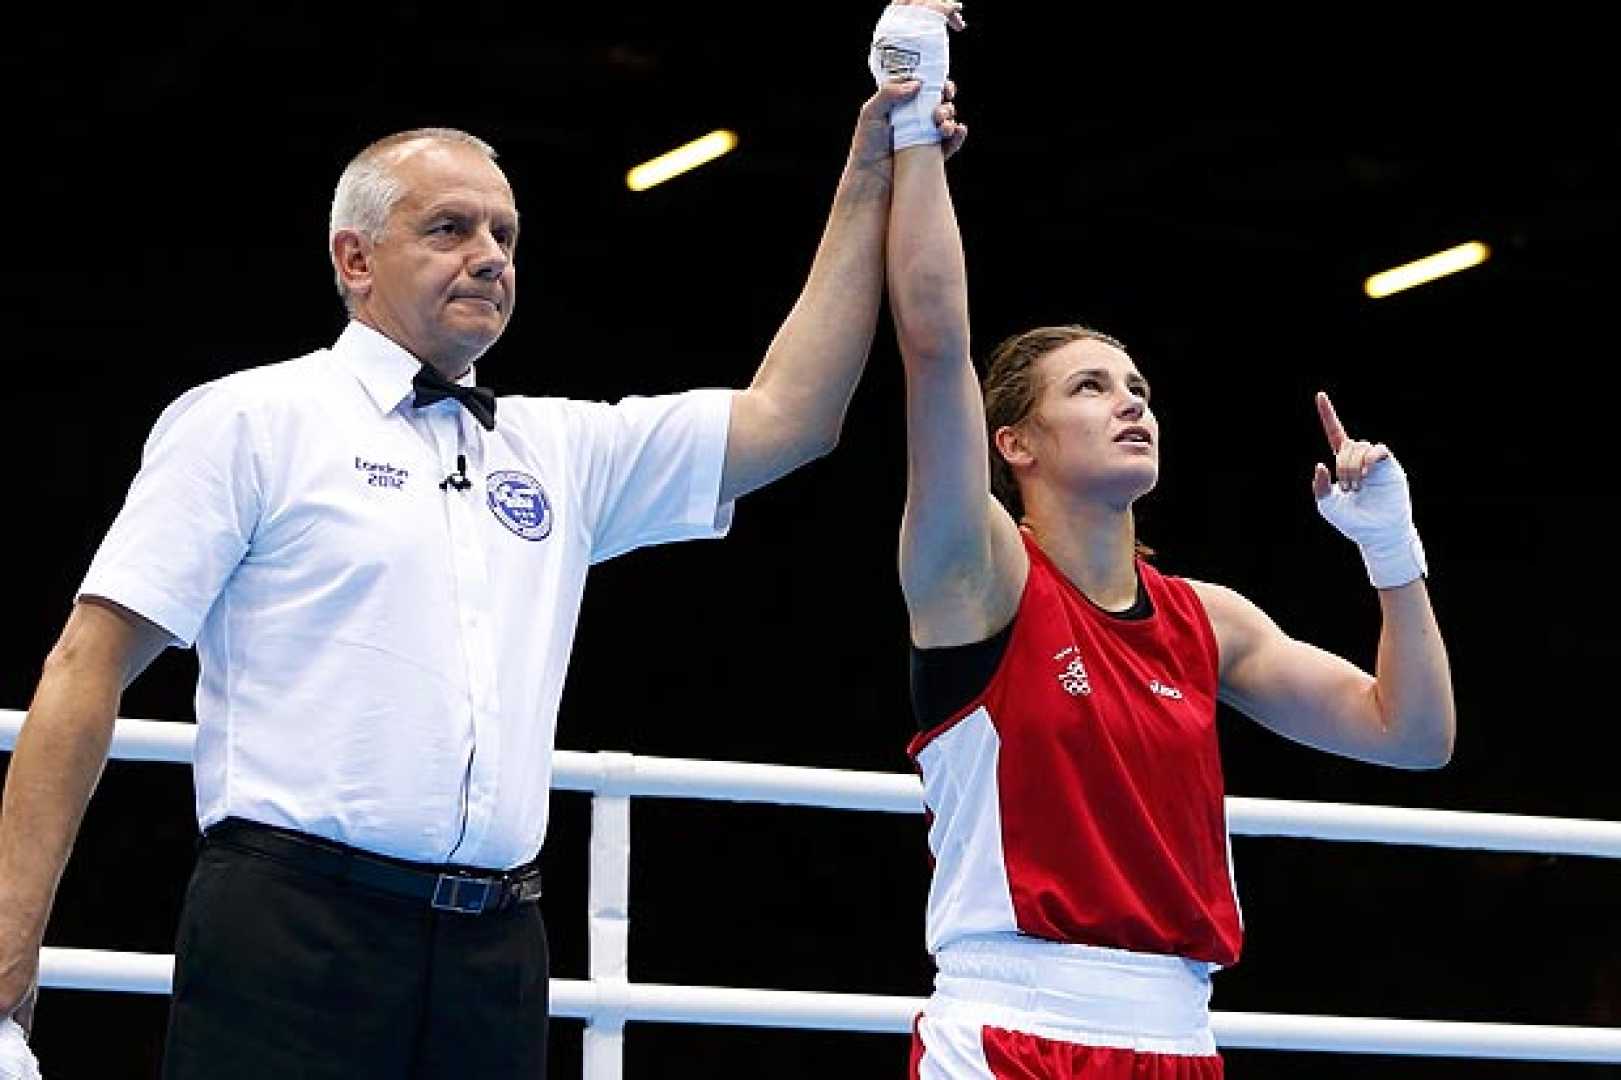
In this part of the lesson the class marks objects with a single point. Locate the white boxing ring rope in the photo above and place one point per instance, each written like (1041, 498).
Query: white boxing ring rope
(608, 999)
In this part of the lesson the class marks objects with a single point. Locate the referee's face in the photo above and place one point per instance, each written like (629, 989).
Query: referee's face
(443, 282)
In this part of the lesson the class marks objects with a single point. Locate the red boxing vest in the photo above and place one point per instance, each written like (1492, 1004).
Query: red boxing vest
(1079, 797)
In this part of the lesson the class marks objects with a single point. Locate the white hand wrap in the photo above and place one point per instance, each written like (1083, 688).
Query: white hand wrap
(16, 1060)
(912, 43)
(1379, 518)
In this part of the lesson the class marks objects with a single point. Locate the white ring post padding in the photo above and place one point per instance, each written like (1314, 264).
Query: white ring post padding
(608, 926)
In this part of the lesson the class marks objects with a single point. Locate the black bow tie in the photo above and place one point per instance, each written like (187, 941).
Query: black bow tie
(478, 400)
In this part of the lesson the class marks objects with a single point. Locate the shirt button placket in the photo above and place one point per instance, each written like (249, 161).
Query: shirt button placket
(444, 425)
(473, 590)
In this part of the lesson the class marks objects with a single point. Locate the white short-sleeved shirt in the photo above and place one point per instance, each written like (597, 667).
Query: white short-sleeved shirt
(382, 659)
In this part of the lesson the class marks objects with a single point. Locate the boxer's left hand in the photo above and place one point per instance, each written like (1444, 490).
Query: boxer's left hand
(1366, 498)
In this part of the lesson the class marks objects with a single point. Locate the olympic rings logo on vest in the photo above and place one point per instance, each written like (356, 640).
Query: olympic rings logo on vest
(518, 502)
(1073, 677)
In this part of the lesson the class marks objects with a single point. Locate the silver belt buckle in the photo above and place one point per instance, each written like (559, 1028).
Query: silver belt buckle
(465, 895)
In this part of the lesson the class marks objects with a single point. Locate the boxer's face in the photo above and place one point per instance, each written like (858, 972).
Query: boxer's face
(1091, 431)
(442, 280)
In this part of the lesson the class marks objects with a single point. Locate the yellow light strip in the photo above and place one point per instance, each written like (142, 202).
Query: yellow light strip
(1427, 269)
(682, 158)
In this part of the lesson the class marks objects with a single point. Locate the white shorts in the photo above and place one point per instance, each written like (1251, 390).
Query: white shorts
(1006, 1005)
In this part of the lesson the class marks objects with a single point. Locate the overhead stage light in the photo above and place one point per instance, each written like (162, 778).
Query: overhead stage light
(682, 158)
(1427, 269)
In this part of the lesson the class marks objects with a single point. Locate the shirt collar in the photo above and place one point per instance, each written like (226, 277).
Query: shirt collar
(383, 366)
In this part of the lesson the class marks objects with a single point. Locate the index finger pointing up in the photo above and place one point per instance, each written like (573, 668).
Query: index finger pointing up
(1331, 422)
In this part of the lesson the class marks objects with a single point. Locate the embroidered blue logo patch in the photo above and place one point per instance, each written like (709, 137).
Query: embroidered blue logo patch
(520, 504)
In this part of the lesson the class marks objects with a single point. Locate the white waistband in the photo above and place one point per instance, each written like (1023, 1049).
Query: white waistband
(1077, 993)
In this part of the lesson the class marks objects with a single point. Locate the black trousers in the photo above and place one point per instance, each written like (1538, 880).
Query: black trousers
(284, 974)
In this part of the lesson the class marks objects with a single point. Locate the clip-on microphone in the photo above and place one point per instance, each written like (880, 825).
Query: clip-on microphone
(457, 479)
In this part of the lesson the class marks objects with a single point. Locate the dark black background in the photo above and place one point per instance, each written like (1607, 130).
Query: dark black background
(1211, 188)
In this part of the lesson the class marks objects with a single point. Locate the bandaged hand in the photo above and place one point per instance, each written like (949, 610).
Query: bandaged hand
(1366, 498)
(910, 42)
(16, 1059)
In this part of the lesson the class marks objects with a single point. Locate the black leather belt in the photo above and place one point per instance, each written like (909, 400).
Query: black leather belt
(444, 888)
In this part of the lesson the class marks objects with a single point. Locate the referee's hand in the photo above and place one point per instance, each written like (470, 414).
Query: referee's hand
(17, 1061)
(23, 1011)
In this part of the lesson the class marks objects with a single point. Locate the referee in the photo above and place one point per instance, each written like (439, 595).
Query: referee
(380, 566)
